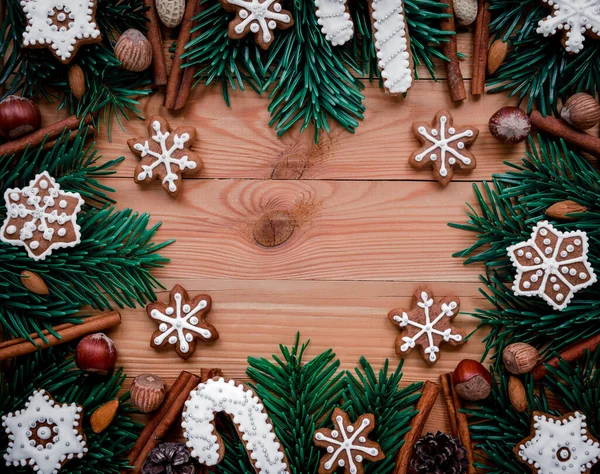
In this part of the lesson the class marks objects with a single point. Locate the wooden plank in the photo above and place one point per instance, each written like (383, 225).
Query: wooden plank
(345, 230)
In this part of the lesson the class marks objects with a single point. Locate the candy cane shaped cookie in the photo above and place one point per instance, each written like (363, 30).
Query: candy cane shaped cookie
(250, 419)
(333, 16)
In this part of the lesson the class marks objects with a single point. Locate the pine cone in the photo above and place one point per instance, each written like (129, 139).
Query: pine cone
(438, 454)
(169, 458)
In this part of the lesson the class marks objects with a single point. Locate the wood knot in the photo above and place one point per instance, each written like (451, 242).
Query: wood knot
(273, 228)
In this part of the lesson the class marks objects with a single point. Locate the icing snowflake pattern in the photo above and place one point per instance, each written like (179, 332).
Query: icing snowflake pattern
(41, 217)
(427, 325)
(574, 18)
(552, 265)
(45, 433)
(444, 147)
(60, 25)
(181, 322)
(559, 445)
(348, 444)
(336, 23)
(162, 157)
(247, 413)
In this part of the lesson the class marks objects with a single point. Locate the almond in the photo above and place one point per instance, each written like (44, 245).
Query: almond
(134, 51)
(34, 283)
(496, 55)
(103, 416)
(560, 210)
(517, 394)
(77, 81)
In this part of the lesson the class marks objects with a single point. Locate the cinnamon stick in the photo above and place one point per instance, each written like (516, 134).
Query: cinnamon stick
(161, 422)
(571, 354)
(68, 332)
(446, 384)
(183, 39)
(463, 428)
(159, 68)
(424, 406)
(449, 49)
(51, 132)
(561, 129)
(480, 49)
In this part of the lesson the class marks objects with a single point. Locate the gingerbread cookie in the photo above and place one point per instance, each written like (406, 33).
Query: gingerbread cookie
(258, 17)
(392, 43)
(251, 422)
(552, 265)
(559, 445)
(61, 26)
(181, 322)
(335, 20)
(444, 147)
(41, 217)
(427, 325)
(45, 434)
(167, 156)
(348, 444)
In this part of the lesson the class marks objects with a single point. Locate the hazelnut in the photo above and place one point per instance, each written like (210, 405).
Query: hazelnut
(472, 381)
(96, 353)
(510, 125)
(134, 51)
(147, 392)
(581, 111)
(520, 358)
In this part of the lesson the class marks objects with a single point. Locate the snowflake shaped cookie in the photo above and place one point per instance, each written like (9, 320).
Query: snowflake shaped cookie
(62, 26)
(559, 445)
(41, 217)
(45, 433)
(167, 156)
(258, 17)
(444, 147)
(348, 444)
(574, 18)
(427, 325)
(181, 322)
(552, 265)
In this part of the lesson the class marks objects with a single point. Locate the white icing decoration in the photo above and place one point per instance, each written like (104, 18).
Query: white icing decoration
(551, 269)
(337, 26)
(21, 425)
(574, 18)
(180, 324)
(257, 15)
(428, 329)
(165, 157)
(391, 43)
(560, 446)
(247, 413)
(42, 212)
(441, 145)
(61, 41)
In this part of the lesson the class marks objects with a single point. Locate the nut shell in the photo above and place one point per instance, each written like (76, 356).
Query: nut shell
(77, 81)
(96, 353)
(510, 125)
(581, 110)
(103, 416)
(496, 55)
(170, 12)
(134, 51)
(517, 394)
(18, 116)
(147, 392)
(472, 381)
(465, 11)
(520, 358)
(563, 210)
(34, 283)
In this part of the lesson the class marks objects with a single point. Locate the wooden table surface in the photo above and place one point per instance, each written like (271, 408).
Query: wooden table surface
(369, 230)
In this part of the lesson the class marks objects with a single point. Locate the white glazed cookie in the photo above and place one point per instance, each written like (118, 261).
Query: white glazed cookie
(62, 26)
(41, 217)
(333, 16)
(248, 415)
(559, 445)
(391, 42)
(45, 434)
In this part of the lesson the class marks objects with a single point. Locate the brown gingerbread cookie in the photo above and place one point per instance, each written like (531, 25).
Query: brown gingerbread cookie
(348, 444)
(62, 27)
(258, 17)
(560, 444)
(444, 147)
(166, 156)
(427, 325)
(181, 322)
(44, 434)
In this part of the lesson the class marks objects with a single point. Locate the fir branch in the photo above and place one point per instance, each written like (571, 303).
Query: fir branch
(54, 370)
